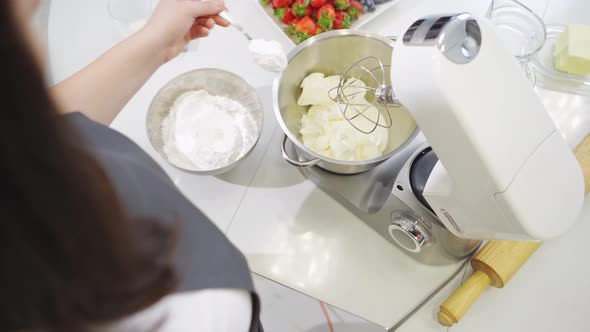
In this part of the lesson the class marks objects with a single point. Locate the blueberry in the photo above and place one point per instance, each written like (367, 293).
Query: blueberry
(371, 5)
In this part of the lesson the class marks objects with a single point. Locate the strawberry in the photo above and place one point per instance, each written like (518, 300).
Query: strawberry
(300, 7)
(308, 11)
(276, 4)
(341, 4)
(305, 28)
(307, 25)
(286, 15)
(291, 29)
(318, 3)
(355, 10)
(342, 20)
(280, 12)
(325, 17)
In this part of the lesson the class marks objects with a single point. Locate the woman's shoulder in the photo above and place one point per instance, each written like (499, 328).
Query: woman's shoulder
(93, 132)
(112, 147)
(143, 187)
(100, 138)
(204, 258)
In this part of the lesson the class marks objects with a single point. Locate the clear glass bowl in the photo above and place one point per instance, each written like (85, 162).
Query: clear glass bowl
(566, 96)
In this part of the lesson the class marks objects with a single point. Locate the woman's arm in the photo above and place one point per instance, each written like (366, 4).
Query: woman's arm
(103, 88)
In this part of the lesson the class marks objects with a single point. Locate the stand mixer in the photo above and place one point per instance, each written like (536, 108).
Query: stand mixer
(485, 161)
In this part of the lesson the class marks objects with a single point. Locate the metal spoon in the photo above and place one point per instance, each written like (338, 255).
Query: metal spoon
(226, 16)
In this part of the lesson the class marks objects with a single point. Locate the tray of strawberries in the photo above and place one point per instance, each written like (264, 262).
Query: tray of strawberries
(302, 19)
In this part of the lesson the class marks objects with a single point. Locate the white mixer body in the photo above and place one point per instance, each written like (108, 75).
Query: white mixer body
(505, 172)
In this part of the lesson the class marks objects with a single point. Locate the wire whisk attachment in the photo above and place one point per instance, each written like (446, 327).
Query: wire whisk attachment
(364, 95)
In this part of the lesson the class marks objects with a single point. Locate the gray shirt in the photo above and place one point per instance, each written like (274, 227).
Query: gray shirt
(204, 257)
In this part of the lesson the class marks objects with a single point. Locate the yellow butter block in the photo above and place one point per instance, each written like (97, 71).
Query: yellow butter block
(572, 50)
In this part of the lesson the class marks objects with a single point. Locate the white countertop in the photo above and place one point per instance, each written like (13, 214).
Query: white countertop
(297, 235)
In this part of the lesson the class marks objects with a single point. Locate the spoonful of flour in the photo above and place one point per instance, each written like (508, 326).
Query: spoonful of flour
(269, 55)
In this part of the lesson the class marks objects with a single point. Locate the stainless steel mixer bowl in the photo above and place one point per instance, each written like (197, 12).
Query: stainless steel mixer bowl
(215, 81)
(330, 53)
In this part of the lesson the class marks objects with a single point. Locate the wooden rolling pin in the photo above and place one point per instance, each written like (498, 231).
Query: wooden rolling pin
(498, 261)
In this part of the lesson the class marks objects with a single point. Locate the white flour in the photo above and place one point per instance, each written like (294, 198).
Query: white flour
(205, 132)
(268, 54)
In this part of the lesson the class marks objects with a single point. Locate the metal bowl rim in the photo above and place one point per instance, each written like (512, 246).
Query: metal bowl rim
(225, 168)
(277, 110)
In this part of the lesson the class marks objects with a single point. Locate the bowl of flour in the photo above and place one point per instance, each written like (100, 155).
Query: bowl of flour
(205, 121)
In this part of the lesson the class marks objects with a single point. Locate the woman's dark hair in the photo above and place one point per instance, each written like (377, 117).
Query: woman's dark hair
(69, 254)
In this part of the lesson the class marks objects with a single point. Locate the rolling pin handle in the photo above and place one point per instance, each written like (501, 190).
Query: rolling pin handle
(455, 307)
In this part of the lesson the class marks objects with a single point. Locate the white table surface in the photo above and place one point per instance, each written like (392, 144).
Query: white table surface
(294, 233)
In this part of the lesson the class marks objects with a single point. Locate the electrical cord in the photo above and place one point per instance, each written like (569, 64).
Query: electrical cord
(434, 292)
(421, 304)
(327, 315)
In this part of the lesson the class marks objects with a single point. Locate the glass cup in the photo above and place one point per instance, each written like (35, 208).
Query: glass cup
(130, 16)
(522, 31)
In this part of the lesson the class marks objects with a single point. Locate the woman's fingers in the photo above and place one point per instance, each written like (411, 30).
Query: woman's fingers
(219, 21)
(207, 22)
(205, 13)
(201, 27)
(200, 8)
(216, 20)
(199, 31)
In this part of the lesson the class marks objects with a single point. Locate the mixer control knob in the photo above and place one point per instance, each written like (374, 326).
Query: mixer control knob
(408, 232)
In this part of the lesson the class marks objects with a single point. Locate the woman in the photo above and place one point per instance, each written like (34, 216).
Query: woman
(95, 237)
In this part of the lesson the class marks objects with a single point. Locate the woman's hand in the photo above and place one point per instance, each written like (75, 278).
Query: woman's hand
(101, 89)
(176, 22)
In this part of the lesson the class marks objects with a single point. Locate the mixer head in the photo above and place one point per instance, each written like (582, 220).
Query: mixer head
(364, 95)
